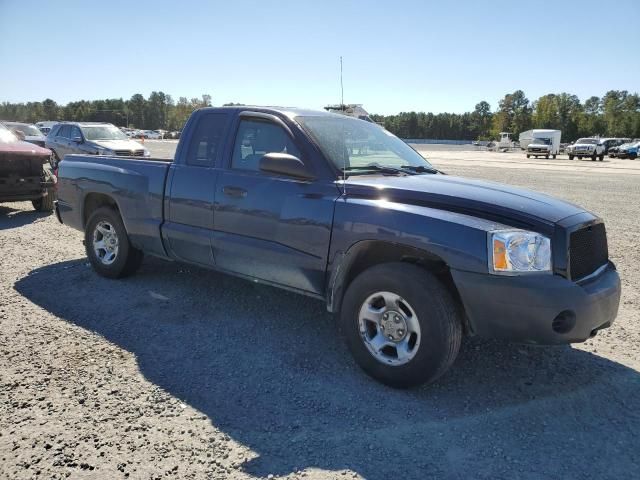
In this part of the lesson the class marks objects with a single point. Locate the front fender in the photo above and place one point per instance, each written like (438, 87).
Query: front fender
(456, 240)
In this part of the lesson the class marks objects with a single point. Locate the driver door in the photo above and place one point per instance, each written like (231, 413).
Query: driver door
(267, 226)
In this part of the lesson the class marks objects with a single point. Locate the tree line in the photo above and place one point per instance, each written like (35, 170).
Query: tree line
(615, 114)
(159, 111)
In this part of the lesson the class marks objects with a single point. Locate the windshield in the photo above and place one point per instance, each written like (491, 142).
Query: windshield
(541, 141)
(590, 141)
(102, 132)
(6, 135)
(28, 130)
(353, 143)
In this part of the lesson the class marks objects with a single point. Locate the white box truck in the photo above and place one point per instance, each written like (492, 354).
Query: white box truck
(541, 143)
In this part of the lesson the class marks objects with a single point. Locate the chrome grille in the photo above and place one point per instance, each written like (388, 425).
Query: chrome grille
(130, 153)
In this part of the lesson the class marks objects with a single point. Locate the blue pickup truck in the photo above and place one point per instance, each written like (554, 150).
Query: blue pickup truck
(409, 259)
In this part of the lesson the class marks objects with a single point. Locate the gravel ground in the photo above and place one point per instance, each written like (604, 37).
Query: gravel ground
(179, 372)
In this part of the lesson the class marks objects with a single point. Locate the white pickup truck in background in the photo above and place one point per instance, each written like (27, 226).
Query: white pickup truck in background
(587, 147)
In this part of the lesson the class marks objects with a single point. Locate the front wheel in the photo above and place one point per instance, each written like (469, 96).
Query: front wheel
(401, 324)
(570, 157)
(108, 247)
(554, 157)
(44, 204)
(528, 156)
(547, 157)
(601, 157)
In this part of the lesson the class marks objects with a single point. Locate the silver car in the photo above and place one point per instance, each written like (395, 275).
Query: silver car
(92, 138)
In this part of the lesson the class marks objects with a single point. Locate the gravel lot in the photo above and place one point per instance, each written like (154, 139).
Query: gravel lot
(183, 373)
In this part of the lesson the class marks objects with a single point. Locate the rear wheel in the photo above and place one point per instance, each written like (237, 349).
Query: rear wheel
(401, 324)
(554, 157)
(570, 157)
(108, 247)
(547, 157)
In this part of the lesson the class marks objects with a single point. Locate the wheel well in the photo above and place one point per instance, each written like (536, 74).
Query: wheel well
(93, 201)
(369, 254)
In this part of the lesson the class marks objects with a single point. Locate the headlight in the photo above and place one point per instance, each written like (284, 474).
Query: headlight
(519, 251)
(146, 153)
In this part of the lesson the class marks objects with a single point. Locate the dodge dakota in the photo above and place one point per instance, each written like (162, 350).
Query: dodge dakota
(407, 258)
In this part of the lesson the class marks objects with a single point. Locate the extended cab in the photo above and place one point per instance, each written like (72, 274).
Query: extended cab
(339, 209)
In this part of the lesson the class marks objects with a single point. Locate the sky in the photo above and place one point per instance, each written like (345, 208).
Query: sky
(401, 55)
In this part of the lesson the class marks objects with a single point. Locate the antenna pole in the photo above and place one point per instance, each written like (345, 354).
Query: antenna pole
(341, 85)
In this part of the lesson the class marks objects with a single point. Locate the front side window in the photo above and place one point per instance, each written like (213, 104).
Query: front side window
(256, 138)
(75, 132)
(64, 131)
(207, 140)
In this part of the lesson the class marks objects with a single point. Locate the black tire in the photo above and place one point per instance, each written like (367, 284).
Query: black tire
(437, 313)
(45, 204)
(528, 156)
(570, 157)
(593, 159)
(547, 157)
(554, 157)
(128, 258)
(601, 157)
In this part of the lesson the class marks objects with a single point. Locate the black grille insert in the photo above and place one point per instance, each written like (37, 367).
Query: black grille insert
(588, 250)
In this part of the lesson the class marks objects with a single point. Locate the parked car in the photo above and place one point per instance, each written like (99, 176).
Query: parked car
(152, 135)
(586, 147)
(407, 258)
(46, 126)
(628, 150)
(25, 172)
(26, 132)
(92, 138)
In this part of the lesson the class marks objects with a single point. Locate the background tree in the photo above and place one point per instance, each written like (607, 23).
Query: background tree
(616, 114)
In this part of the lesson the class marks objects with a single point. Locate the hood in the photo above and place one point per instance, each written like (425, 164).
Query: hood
(512, 206)
(582, 145)
(23, 148)
(117, 144)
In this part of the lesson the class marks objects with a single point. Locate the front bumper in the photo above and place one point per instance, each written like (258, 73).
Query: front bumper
(583, 153)
(19, 189)
(524, 308)
(540, 153)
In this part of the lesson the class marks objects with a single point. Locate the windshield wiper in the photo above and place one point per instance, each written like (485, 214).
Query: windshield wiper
(420, 169)
(378, 168)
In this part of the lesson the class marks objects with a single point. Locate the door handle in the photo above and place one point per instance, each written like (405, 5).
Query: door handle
(234, 192)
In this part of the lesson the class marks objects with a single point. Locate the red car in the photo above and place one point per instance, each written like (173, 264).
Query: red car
(25, 172)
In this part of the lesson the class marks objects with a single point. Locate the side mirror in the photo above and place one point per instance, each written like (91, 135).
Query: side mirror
(284, 164)
(20, 134)
(77, 139)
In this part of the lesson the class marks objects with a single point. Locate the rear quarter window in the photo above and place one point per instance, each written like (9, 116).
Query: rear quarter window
(207, 141)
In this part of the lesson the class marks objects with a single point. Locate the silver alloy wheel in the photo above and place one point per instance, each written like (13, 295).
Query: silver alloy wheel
(389, 328)
(105, 242)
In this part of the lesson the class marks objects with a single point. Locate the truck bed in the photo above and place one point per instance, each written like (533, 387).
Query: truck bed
(137, 185)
